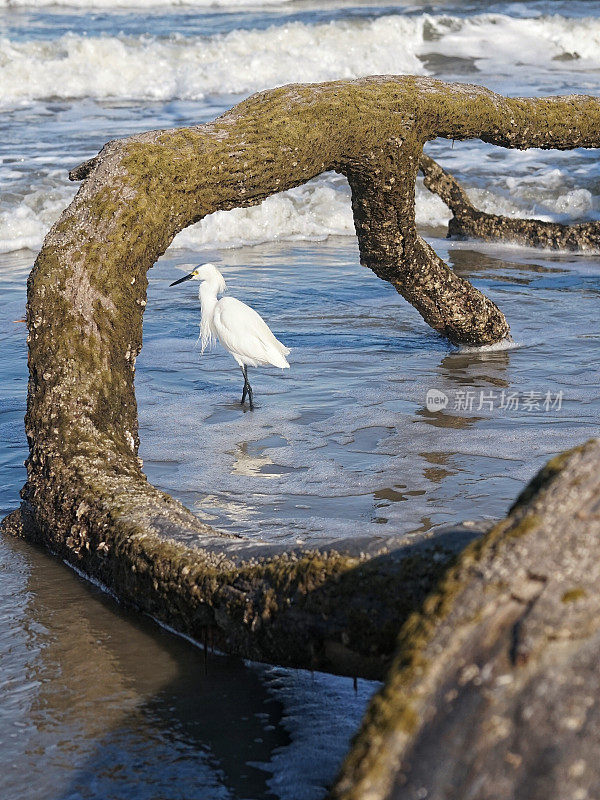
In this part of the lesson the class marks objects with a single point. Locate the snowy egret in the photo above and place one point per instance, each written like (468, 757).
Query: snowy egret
(237, 326)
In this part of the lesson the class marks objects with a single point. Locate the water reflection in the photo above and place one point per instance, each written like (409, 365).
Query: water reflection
(112, 706)
(474, 369)
(250, 458)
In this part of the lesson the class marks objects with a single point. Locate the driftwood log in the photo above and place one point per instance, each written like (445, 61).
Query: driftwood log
(339, 608)
(469, 222)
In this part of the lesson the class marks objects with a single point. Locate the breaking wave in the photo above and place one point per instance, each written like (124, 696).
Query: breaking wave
(191, 67)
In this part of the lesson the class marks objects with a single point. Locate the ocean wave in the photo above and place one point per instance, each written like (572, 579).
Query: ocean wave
(497, 41)
(191, 67)
(151, 68)
(139, 3)
(24, 224)
(312, 212)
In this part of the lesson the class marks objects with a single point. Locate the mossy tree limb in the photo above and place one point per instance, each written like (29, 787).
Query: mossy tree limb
(470, 222)
(86, 496)
(337, 609)
(494, 691)
(383, 202)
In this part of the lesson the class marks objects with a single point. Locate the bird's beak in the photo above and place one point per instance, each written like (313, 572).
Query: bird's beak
(181, 280)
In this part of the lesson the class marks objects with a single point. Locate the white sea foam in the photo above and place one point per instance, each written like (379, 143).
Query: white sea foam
(497, 347)
(314, 211)
(150, 68)
(498, 41)
(190, 67)
(23, 225)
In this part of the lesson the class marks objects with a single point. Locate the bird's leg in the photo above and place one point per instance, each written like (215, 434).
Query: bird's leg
(249, 391)
(245, 389)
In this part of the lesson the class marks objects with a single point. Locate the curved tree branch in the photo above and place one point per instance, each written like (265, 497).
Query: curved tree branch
(86, 497)
(470, 222)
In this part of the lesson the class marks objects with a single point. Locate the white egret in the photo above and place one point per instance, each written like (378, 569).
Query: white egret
(237, 326)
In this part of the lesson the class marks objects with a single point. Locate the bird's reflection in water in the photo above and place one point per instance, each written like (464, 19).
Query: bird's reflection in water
(248, 462)
(251, 458)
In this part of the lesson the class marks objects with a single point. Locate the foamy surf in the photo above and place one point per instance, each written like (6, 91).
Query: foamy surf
(312, 212)
(191, 67)
(497, 347)
(23, 225)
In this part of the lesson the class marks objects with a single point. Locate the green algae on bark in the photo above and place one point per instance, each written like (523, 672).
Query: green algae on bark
(86, 496)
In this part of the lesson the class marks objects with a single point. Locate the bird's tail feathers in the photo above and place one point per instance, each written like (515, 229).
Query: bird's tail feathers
(283, 351)
(279, 360)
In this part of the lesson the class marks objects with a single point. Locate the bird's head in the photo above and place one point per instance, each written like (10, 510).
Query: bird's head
(204, 272)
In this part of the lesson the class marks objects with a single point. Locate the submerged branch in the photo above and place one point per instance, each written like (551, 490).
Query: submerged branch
(470, 222)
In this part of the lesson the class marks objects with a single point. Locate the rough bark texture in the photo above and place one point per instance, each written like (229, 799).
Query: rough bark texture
(383, 202)
(337, 610)
(495, 689)
(86, 497)
(469, 222)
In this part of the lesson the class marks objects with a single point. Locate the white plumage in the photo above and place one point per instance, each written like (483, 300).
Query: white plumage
(253, 346)
(239, 328)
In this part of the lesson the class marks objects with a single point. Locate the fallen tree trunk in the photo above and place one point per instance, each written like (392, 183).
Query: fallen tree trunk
(495, 689)
(86, 497)
(337, 609)
(469, 222)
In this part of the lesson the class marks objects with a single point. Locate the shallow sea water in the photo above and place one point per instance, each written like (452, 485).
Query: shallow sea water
(98, 703)
(344, 442)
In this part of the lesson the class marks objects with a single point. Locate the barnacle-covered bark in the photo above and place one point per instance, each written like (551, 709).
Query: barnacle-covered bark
(495, 688)
(86, 497)
(336, 609)
(470, 222)
(383, 202)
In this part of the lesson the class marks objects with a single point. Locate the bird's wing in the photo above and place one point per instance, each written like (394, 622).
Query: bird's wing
(243, 332)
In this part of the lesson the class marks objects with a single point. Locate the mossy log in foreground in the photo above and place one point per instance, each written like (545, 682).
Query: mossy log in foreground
(86, 497)
(469, 222)
(495, 689)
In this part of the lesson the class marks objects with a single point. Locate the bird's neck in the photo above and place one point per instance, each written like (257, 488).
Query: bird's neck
(208, 296)
(208, 301)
